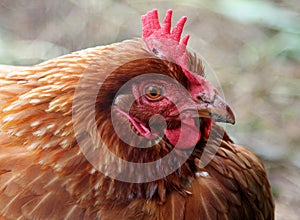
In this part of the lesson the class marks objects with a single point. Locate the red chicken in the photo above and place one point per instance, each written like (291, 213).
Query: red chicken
(124, 131)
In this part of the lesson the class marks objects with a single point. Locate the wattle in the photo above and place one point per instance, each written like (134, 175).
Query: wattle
(184, 137)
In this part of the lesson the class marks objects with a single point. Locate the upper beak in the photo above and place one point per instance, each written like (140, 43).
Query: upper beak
(218, 110)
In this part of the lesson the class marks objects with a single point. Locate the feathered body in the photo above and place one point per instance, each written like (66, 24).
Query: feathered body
(45, 175)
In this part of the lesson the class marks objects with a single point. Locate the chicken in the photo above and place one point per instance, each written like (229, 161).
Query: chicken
(124, 131)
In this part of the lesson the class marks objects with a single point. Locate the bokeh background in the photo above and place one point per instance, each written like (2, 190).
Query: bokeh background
(253, 47)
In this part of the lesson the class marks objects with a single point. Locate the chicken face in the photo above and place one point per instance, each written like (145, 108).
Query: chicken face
(158, 105)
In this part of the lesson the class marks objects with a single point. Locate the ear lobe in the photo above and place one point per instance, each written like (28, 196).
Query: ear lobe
(140, 127)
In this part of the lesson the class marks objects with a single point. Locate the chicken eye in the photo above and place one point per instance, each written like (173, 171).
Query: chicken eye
(153, 92)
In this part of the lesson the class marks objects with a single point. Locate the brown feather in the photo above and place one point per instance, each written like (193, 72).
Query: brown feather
(44, 174)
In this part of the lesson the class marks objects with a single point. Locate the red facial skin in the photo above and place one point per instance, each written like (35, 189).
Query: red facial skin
(176, 106)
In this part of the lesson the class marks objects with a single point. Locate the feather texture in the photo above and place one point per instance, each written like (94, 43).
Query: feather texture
(45, 175)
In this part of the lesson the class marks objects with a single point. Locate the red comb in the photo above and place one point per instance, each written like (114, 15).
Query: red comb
(152, 28)
(163, 40)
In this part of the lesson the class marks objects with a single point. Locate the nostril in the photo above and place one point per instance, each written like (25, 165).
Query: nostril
(200, 98)
(206, 98)
(203, 98)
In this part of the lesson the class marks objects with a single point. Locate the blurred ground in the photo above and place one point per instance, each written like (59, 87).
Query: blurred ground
(252, 46)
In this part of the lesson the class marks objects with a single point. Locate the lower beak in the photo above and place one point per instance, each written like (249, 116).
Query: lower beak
(218, 110)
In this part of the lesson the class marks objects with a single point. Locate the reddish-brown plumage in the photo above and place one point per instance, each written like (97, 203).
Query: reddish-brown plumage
(44, 174)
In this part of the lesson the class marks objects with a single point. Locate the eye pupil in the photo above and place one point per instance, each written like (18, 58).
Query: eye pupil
(153, 92)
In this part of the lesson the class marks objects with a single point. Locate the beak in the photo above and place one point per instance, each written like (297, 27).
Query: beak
(218, 110)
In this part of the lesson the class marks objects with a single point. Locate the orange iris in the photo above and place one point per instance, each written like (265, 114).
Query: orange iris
(153, 92)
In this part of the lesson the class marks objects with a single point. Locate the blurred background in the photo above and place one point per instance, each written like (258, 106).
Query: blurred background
(253, 47)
